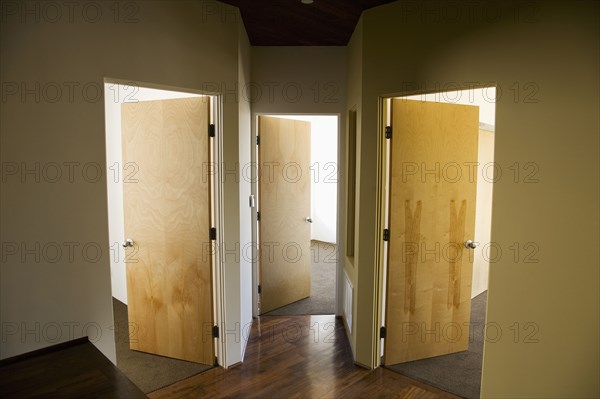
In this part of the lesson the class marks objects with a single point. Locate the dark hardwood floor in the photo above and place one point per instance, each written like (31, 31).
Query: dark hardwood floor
(74, 369)
(298, 357)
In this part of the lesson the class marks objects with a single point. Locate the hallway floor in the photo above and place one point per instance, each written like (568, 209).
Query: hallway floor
(300, 357)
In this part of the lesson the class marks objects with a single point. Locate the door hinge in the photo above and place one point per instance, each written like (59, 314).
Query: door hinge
(258, 216)
(382, 332)
(211, 130)
(388, 132)
(259, 289)
(257, 140)
(215, 331)
(213, 233)
(386, 234)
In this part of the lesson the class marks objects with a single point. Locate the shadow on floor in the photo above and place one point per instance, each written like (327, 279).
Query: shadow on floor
(459, 373)
(148, 372)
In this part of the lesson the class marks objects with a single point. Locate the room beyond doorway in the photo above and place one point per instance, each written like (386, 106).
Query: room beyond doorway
(296, 225)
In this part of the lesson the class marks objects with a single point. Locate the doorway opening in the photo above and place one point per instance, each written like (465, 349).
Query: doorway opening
(438, 174)
(297, 268)
(163, 209)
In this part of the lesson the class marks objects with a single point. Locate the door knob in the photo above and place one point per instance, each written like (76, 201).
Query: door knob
(128, 243)
(308, 219)
(470, 244)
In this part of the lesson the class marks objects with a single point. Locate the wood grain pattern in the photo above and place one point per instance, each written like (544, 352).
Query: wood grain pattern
(167, 214)
(412, 223)
(284, 160)
(299, 357)
(455, 251)
(432, 214)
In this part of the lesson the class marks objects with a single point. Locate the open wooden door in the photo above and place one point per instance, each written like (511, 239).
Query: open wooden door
(284, 197)
(432, 215)
(167, 215)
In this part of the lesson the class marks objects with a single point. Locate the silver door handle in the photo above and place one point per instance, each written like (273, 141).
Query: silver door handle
(308, 219)
(470, 244)
(128, 243)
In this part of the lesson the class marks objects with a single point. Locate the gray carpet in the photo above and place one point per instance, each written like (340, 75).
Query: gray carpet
(458, 373)
(148, 372)
(322, 299)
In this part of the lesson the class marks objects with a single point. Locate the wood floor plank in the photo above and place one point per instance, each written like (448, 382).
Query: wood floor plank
(298, 357)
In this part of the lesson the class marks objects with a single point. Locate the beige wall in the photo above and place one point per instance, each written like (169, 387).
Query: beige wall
(318, 72)
(354, 102)
(552, 49)
(191, 45)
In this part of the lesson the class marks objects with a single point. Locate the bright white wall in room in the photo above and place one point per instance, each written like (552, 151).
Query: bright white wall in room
(117, 94)
(483, 215)
(323, 173)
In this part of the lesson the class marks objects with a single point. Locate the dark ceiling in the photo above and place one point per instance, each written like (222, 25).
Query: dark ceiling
(291, 23)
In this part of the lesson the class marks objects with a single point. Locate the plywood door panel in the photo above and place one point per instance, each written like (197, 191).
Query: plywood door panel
(432, 213)
(167, 214)
(284, 156)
